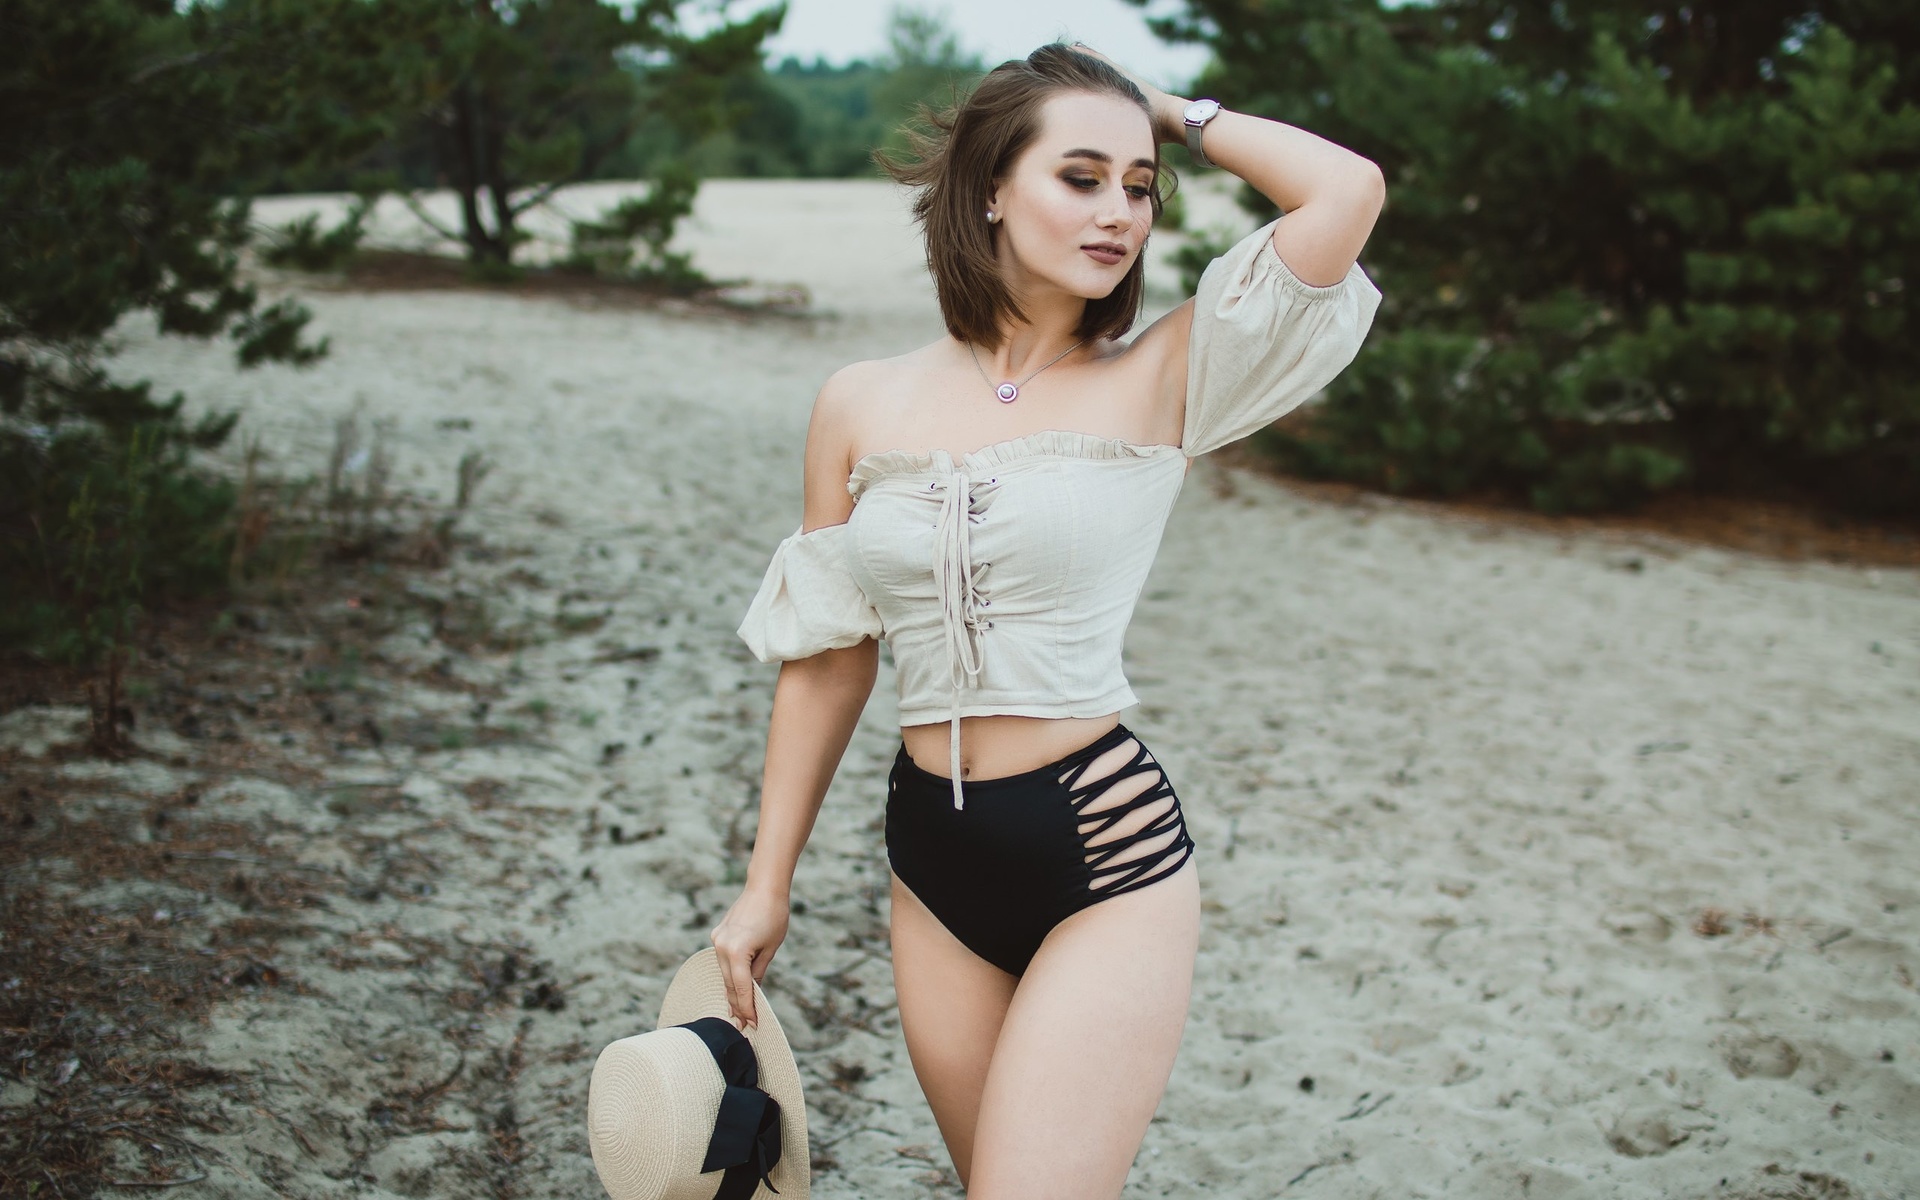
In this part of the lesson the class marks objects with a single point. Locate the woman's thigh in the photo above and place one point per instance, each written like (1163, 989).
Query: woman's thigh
(1087, 1046)
(952, 1003)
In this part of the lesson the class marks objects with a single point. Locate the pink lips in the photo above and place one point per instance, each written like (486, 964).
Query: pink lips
(1106, 252)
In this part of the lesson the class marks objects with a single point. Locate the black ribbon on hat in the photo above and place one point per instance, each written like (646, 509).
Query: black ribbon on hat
(746, 1131)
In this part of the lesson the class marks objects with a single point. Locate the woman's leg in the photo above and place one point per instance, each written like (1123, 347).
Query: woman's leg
(1090, 1037)
(1081, 1045)
(1087, 1047)
(952, 1003)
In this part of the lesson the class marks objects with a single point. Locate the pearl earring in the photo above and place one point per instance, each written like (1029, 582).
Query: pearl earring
(992, 216)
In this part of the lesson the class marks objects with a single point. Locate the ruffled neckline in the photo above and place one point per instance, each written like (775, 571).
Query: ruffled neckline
(1056, 443)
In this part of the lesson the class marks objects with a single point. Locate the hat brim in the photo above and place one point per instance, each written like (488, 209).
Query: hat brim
(699, 990)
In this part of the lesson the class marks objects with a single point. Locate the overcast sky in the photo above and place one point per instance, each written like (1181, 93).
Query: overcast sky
(839, 30)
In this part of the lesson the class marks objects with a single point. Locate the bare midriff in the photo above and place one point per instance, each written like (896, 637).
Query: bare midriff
(997, 746)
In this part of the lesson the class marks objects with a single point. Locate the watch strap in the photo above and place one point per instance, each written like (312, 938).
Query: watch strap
(1194, 129)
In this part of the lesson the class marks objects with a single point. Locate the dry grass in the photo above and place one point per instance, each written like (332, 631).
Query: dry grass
(102, 986)
(93, 1001)
(126, 918)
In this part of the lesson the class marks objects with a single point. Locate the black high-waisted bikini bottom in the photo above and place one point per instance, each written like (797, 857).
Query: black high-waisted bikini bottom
(1029, 850)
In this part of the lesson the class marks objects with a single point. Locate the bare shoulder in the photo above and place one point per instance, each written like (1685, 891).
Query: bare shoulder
(1155, 366)
(845, 408)
(838, 414)
(855, 389)
(1168, 335)
(848, 388)
(859, 397)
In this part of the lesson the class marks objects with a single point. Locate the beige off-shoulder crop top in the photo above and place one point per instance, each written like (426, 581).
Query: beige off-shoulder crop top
(1003, 581)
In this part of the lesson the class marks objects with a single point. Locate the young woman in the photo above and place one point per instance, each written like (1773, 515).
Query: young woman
(990, 505)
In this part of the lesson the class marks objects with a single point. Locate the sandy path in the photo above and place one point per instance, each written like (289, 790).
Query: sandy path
(1462, 793)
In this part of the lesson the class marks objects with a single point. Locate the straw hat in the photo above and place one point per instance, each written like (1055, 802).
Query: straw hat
(655, 1114)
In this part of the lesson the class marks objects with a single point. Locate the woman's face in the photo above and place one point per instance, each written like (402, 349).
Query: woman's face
(1076, 206)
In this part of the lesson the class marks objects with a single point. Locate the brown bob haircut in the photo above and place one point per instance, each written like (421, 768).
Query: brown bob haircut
(974, 142)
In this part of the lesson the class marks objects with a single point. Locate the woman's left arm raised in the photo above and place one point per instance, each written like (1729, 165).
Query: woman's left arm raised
(1330, 195)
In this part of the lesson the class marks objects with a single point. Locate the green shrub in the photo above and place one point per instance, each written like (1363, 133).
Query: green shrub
(605, 246)
(301, 245)
(93, 519)
(1627, 247)
(131, 121)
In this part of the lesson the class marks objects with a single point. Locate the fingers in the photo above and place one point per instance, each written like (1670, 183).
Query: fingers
(1150, 89)
(1090, 52)
(744, 943)
(736, 973)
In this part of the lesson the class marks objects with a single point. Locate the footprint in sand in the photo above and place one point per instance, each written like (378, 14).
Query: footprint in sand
(1762, 1056)
(1644, 1132)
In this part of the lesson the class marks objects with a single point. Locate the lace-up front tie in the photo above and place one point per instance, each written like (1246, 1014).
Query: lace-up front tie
(961, 601)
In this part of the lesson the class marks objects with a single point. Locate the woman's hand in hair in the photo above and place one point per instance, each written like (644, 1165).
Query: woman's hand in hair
(1169, 111)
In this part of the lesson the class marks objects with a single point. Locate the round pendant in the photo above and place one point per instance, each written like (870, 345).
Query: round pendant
(1007, 393)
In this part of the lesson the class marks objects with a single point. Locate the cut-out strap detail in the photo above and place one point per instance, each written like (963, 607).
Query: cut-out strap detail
(1111, 869)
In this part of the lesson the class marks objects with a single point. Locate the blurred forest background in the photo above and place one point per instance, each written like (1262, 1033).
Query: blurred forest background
(1631, 247)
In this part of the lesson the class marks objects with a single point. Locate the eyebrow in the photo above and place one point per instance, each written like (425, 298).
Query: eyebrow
(1103, 156)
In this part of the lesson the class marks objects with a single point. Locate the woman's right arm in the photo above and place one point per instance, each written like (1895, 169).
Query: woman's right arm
(817, 702)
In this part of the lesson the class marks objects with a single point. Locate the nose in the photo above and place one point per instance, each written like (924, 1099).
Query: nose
(1116, 209)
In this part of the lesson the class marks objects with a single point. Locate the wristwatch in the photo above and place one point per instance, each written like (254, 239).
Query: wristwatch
(1197, 116)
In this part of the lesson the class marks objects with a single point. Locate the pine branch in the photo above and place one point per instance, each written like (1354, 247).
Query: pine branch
(412, 201)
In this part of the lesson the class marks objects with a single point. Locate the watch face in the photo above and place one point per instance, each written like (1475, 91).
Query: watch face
(1200, 110)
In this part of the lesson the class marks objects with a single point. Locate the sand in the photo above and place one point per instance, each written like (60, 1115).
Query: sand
(1535, 864)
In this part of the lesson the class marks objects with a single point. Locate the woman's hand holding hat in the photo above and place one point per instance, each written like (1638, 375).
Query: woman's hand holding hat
(697, 1108)
(746, 940)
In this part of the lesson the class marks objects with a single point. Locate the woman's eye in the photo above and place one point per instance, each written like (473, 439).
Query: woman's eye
(1087, 183)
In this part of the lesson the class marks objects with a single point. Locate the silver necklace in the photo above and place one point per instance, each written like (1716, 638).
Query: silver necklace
(1009, 392)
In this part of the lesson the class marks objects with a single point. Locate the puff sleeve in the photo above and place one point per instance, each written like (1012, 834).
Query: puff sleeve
(1263, 341)
(808, 601)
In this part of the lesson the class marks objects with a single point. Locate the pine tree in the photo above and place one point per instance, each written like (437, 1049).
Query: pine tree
(124, 127)
(1628, 245)
(131, 133)
(521, 97)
